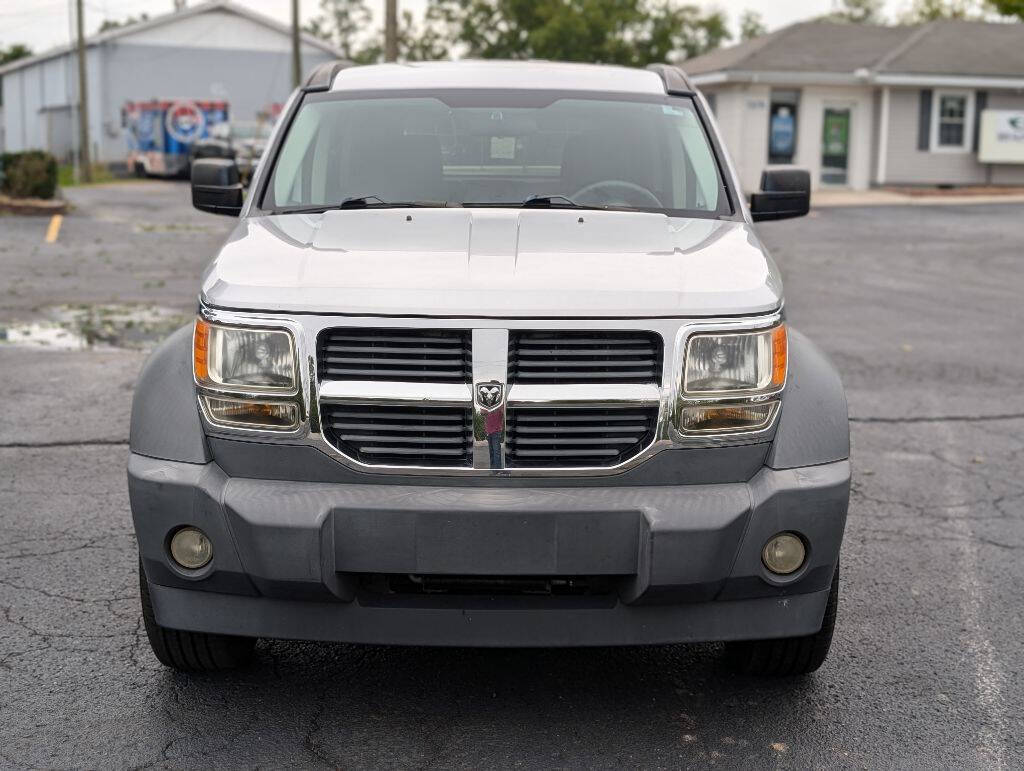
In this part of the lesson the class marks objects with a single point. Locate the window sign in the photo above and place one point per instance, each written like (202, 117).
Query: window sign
(1002, 136)
(783, 134)
(835, 146)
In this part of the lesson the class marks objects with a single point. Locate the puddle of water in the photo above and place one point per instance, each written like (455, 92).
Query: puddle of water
(42, 334)
(77, 327)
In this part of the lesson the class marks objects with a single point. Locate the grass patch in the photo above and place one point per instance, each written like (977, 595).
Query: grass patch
(100, 175)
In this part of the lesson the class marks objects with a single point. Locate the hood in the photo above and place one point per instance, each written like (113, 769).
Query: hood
(493, 263)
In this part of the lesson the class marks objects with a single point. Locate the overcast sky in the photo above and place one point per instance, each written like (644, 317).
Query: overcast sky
(42, 24)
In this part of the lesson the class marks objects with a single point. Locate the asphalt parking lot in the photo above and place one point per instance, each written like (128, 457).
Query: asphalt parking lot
(921, 309)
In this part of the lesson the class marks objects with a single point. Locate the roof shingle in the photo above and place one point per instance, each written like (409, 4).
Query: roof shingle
(936, 48)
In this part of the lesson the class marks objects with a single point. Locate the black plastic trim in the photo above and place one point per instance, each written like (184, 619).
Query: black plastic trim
(322, 76)
(675, 79)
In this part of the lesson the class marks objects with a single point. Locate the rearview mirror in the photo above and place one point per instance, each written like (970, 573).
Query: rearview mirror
(786, 192)
(216, 187)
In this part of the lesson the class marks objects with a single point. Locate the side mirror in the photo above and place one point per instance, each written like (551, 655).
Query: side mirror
(216, 187)
(786, 192)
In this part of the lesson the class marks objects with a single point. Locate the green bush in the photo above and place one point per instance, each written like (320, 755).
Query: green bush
(31, 174)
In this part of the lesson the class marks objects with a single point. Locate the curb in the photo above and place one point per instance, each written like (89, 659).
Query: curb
(33, 206)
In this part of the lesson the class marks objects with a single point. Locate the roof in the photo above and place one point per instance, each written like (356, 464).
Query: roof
(470, 73)
(170, 18)
(938, 48)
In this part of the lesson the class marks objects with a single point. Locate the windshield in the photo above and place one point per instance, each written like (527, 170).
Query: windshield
(495, 149)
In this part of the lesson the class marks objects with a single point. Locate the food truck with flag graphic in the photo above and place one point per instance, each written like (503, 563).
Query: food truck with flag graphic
(161, 131)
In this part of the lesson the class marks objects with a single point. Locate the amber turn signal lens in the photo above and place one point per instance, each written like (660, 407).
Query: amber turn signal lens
(727, 417)
(244, 413)
(780, 352)
(200, 349)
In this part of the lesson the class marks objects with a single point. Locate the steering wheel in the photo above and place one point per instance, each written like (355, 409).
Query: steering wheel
(633, 192)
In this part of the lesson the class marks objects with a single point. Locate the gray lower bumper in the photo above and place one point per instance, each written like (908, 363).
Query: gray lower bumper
(684, 560)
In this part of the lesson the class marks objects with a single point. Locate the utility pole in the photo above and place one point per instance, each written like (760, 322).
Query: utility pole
(85, 165)
(390, 30)
(296, 50)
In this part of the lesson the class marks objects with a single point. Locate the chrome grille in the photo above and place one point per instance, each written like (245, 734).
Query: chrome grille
(577, 436)
(593, 356)
(420, 355)
(400, 435)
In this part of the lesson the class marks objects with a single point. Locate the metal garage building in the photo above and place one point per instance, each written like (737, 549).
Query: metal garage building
(216, 50)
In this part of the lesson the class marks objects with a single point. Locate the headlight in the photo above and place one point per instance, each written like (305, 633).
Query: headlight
(736, 363)
(261, 360)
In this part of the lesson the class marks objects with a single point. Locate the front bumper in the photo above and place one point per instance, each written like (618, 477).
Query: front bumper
(293, 559)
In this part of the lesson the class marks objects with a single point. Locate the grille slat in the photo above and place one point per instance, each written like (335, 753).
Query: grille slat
(612, 356)
(577, 436)
(401, 435)
(422, 356)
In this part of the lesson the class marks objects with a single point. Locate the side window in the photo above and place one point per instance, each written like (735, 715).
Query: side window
(952, 116)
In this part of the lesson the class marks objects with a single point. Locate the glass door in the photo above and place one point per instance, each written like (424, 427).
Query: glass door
(835, 146)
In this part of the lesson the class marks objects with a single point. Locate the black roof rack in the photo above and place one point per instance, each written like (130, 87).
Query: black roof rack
(322, 76)
(675, 80)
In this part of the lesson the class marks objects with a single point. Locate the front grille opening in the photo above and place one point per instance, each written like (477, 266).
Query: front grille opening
(488, 586)
(419, 355)
(400, 435)
(577, 436)
(595, 356)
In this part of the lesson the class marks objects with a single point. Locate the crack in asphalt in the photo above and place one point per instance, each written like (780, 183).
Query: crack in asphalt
(71, 443)
(939, 418)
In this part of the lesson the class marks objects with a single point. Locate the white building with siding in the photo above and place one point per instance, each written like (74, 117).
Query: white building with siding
(214, 50)
(861, 105)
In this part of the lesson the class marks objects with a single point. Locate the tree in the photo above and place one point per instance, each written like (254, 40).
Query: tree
(342, 23)
(751, 25)
(111, 24)
(630, 32)
(932, 10)
(13, 52)
(1008, 7)
(345, 24)
(858, 11)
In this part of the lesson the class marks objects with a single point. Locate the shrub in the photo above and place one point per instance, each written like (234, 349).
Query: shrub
(32, 174)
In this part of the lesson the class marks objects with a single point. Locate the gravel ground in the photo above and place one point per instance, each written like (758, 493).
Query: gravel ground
(920, 308)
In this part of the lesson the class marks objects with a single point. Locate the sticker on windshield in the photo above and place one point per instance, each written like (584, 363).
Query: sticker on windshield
(668, 109)
(503, 148)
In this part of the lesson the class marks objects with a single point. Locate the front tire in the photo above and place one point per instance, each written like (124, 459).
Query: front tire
(192, 651)
(787, 656)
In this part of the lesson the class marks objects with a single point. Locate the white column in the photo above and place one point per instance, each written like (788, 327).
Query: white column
(883, 137)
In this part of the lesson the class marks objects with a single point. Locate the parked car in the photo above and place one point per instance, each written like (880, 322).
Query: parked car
(493, 357)
(241, 141)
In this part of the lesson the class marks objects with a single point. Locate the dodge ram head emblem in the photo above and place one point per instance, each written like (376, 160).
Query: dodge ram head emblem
(489, 394)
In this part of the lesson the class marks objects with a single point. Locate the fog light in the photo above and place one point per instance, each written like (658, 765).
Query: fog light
(784, 553)
(190, 548)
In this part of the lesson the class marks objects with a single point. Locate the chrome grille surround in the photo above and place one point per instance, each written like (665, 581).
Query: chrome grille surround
(490, 363)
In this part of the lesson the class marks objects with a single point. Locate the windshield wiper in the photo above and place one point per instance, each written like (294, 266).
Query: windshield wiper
(362, 202)
(545, 201)
(555, 201)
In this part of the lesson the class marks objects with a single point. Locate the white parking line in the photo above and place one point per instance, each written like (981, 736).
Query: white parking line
(988, 672)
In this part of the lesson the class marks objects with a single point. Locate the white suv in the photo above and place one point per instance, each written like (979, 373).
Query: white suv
(493, 357)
